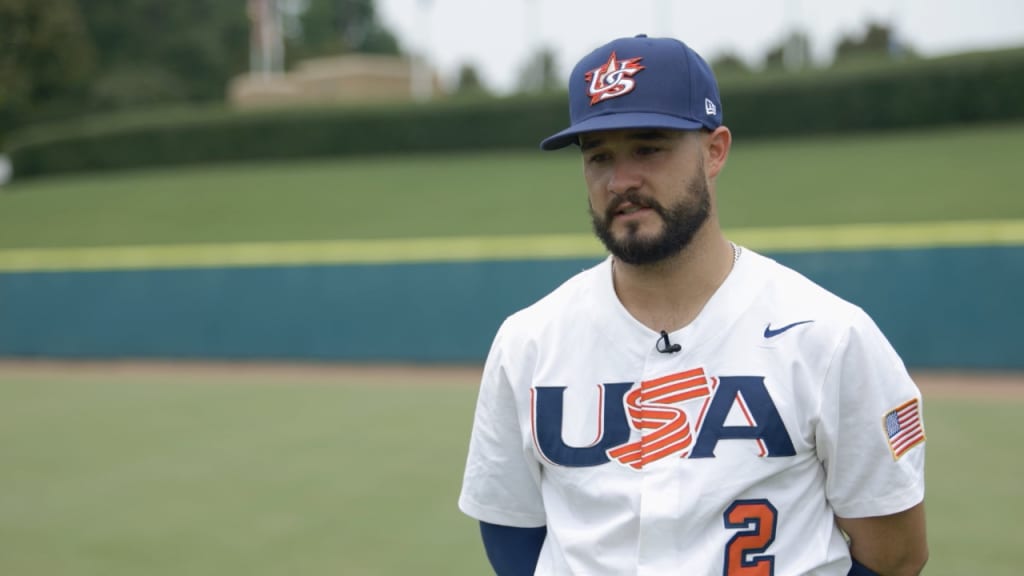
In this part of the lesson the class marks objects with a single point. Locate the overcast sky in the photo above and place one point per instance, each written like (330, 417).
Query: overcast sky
(497, 36)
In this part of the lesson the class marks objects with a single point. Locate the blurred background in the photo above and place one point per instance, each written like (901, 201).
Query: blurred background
(182, 152)
(253, 253)
(65, 58)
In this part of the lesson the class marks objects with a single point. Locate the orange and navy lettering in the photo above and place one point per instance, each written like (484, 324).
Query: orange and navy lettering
(546, 412)
(765, 425)
(745, 552)
(655, 409)
(665, 429)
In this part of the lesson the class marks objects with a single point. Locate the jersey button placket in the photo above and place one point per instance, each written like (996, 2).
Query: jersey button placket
(659, 496)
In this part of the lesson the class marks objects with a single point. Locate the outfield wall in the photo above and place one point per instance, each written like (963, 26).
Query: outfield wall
(941, 306)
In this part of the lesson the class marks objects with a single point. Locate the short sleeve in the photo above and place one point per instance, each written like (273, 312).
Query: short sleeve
(872, 466)
(501, 484)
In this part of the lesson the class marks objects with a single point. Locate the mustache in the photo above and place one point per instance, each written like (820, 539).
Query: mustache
(633, 197)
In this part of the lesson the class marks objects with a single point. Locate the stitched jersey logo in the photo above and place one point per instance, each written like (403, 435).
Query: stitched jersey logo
(612, 79)
(903, 428)
(682, 415)
(665, 428)
(769, 333)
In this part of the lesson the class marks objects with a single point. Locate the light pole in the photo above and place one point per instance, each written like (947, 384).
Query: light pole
(794, 50)
(535, 66)
(420, 76)
(266, 38)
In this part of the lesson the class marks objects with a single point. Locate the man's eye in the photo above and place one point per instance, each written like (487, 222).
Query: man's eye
(597, 158)
(647, 150)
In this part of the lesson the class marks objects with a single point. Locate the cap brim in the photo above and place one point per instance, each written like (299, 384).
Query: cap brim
(621, 121)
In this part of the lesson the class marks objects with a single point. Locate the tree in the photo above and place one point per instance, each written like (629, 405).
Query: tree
(156, 51)
(339, 27)
(792, 53)
(540, 74)
(469, 83)
(728, 63)
(46, 56)
(879, 41)
(120, 53)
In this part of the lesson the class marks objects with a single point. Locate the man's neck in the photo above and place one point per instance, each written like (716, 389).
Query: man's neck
(670, 294)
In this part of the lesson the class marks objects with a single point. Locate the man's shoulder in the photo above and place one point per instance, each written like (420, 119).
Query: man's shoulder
(787, 302)
(788, 290)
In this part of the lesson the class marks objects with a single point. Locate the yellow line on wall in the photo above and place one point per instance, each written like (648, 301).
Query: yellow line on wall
(475, 248)
(388, 251)
(883, 236)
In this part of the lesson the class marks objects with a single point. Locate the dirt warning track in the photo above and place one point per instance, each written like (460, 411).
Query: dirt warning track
(934, 384)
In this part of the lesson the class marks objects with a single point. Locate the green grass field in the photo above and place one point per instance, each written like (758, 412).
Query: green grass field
(961, 173)
(115, 477)
(153, 475)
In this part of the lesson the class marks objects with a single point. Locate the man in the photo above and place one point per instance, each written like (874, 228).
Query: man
(687, 406)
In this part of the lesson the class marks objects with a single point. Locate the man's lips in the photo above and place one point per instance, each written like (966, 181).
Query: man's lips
(628, 209)
(631, 209)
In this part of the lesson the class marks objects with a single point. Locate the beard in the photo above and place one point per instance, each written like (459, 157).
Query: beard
(681, 221)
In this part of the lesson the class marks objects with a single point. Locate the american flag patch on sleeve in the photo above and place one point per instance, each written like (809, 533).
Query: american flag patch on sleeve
(903, 428)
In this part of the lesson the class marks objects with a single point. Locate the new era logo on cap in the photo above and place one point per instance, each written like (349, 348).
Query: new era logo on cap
(640, 82)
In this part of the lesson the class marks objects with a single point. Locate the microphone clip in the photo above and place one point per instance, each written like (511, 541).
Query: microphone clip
(665, 346)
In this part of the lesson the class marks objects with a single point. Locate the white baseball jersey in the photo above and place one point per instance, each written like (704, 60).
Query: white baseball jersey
(785, 407)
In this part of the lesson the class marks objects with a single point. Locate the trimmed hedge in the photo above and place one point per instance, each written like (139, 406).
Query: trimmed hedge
(225, 136)
(925, 93)
(974, 88)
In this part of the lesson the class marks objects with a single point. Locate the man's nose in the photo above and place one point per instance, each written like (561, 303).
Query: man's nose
(625, 176)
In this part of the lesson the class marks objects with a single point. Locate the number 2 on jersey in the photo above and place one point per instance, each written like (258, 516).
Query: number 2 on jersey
(744, 554)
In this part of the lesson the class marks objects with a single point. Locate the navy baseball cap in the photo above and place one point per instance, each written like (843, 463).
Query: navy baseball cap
(640, 82)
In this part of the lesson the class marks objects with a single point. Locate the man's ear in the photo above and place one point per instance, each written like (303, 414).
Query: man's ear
(716, 150)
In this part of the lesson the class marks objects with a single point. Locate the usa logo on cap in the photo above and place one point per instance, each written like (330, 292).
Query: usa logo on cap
(613, 78)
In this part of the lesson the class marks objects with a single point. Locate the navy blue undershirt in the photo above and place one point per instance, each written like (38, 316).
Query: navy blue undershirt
(512, 551)
(859, 569)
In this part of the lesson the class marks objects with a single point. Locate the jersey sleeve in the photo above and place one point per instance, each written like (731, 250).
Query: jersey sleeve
(870, 436)
(501, 484)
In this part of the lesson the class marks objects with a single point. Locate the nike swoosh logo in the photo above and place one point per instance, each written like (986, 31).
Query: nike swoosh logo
(769, 333)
